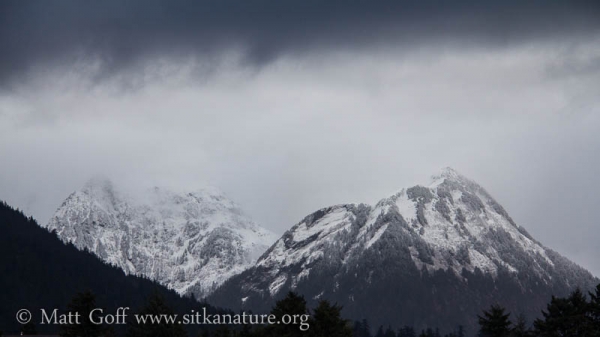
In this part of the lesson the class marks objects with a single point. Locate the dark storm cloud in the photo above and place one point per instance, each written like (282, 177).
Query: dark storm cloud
(35, 35)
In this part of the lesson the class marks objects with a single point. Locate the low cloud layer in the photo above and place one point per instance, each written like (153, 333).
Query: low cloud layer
(294, 106)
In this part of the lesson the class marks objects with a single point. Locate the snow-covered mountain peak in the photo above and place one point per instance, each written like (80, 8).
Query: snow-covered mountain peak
(443, 250)
(189, 241)
(100, 188)
(448, 174)
(453, 226)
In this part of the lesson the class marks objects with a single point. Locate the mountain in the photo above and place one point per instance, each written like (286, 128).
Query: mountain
(428, 256)
(189, 242)
(37, 271)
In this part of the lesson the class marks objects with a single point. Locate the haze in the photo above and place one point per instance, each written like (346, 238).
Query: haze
(291, 107)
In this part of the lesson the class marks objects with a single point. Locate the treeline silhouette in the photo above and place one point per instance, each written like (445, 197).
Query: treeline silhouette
(576, 315)
(39, 271)
(572, 316)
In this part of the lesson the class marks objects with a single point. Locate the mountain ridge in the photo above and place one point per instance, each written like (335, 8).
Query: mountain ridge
(449, 235)
(189, 242)
(39, 271)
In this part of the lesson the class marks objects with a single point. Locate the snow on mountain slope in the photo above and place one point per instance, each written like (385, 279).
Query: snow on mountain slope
(457, 219)
(190, 242)
(449, 235)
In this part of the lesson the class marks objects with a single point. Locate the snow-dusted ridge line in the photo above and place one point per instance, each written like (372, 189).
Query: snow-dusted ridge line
(430, 255)
(190, 242)
(451, 224)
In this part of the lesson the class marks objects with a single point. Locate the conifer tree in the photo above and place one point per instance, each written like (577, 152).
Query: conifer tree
(427, 333)
(362, 329)
(566, 317)
(380, 332)
(594, 312)
(156, 307)
(292, 304)
(366, 328)
(494, 322)
(389, 332)
(407, 331)
(82, 303)
(520, 328)
(328, 321)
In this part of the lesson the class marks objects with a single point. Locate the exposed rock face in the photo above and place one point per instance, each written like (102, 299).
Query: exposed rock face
(426, 256)
(190, 242)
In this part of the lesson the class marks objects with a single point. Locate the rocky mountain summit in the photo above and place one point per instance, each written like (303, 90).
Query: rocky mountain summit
(426, 256)
(190, 242)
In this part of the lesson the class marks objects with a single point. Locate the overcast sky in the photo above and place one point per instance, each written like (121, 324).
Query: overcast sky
(291, 106)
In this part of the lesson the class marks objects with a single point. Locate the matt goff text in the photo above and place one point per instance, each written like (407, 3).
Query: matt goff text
(96, 316)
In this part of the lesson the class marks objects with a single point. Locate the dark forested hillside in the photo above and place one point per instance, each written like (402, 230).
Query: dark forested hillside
(38, 271)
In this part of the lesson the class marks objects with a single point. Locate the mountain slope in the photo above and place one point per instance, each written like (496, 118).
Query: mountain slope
(426, 256)
(190, 242)
(37, 271)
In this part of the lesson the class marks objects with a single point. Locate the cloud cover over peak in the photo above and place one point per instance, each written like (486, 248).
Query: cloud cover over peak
(291, 105)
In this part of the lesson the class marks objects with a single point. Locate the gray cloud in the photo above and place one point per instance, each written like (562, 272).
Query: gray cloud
(118, 36)
(291, 106)
(307, 131)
